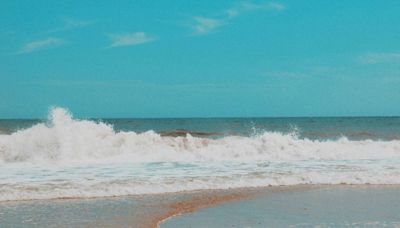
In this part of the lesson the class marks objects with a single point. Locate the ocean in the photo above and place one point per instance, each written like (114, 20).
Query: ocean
(64, 157)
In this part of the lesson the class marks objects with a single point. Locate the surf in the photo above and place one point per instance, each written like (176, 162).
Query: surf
(63, 139)
(65, 157)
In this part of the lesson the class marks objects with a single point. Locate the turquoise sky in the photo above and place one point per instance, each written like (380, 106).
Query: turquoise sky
(200, 58)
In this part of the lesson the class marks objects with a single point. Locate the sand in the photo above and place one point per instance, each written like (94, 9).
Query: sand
(128, 211)
(333, 206)
(252, 207)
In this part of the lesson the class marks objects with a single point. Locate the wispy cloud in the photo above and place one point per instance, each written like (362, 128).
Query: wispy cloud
(375, 58)
(248, 6)
(204, 25)
(69, 23)
(129, 39)
(40, 45)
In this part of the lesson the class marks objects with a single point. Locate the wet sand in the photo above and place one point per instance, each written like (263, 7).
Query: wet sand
(255, 207)
(128, 211)
(333, 206)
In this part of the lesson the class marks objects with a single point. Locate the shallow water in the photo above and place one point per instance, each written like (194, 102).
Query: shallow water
(326, 207)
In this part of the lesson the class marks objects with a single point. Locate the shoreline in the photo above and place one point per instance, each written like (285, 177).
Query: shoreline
(323, 205)
(153, 210)
(168, 204)
(238, 194)
(77, 198)
(196, 204)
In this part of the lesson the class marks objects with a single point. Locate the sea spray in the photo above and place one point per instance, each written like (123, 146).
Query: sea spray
(64, 139)
(67, 157)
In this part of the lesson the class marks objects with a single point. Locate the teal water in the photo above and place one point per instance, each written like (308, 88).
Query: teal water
(385, 128)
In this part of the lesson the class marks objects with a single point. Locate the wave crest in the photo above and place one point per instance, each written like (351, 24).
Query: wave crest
(64, 139)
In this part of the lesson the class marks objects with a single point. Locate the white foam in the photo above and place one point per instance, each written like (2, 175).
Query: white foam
(65, 140)
(81, 158)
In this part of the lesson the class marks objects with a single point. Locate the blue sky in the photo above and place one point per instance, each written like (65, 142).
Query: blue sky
(200, 58)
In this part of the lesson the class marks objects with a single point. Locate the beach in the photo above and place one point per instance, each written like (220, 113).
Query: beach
(229, 113)
(281, 206)
(323, 206)
(123, 211)
(68, 172)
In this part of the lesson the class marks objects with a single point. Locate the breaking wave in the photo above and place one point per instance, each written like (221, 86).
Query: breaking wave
(66, 157)
(64, 140)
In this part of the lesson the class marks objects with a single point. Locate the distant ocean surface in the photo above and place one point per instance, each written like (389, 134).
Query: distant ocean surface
(63, 157)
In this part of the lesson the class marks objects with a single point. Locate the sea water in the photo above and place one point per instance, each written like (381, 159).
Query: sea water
(63, 157)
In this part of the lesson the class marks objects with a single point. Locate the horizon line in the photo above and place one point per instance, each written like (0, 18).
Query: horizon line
(215, 117)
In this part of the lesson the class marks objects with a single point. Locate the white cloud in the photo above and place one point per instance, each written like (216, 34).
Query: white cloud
(248, 6)
(40, 45)
(375, 58)
(69, 23)
(203, 25)
(276, 6)
(129, 39)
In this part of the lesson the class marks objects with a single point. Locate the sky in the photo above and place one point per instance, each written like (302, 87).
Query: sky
(151, 59)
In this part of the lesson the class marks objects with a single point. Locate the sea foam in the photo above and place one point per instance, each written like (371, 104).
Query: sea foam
(67, 157)
(65, 140)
